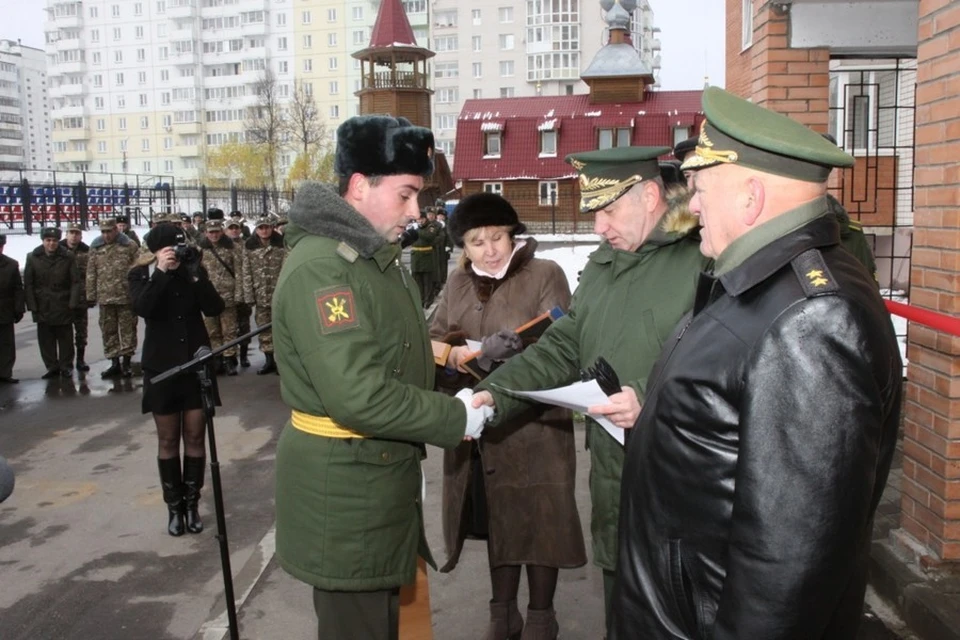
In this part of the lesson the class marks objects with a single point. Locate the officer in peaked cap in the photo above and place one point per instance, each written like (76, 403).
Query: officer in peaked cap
(645, 270)
(771, 420)
(51, 283)
(681, 151)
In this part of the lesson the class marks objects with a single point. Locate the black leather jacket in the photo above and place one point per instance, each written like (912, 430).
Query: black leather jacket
(758, 461)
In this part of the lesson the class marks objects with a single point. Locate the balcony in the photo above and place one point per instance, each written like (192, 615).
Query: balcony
(186, 128)
(187, 151)
(254, 29)
(215, 82)
(68, 44)
(185, 33)
(655, 44)
(67, 68)
(181, 9)
(182, 82)
(67, 89)
(184, 57)
(67, 22)
(75, 156)
(62, 135)
(70, 111)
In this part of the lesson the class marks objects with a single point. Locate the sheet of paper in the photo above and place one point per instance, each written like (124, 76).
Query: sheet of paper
(577, 396)
(474, 345)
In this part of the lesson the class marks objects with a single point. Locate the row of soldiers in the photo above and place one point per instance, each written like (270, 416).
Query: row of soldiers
(430, 253)
(64, 277)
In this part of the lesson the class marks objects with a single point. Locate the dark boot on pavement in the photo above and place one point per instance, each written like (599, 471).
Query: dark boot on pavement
(81, 361)
(172, 485)
(230, 365)
(113, 371)
(9, 380)
(52, 373)
(126, 370)
(541, 625)
(505, 621)
(244, 358)
(269, 365)
(193, 469)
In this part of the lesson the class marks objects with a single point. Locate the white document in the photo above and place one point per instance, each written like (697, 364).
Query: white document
(577, 396)
(474, 345)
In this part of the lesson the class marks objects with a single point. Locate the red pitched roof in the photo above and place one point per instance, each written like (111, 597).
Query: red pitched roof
(577, 121)
(392, 26)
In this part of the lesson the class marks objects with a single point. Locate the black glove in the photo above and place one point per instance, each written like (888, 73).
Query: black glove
(17, 318)
(498, 347)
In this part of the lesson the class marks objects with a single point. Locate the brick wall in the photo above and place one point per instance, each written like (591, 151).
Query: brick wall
(739, 62)
(931, 467)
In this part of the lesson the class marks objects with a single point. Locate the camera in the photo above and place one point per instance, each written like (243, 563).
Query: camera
(185, 253)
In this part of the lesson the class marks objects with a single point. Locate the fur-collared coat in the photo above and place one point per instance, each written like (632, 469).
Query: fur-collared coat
(529, 462)
(51, 284)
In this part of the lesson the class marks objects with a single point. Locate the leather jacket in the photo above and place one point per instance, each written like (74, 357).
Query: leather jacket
(757, 463)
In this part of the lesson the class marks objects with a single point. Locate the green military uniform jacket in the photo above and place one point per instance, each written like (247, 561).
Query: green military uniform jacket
(440, 243)
(852, 237)
(351, 343)
(107, 269)
(422, 253)
(626, 305)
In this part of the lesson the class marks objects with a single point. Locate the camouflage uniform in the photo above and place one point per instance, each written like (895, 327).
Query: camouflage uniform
(227, 279)
(261, 269)
(82, 254)
(107, 286)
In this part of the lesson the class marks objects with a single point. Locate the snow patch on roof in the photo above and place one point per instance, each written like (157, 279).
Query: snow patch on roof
(549, 114)
(491, 126)
(547, 125)
(593, 114)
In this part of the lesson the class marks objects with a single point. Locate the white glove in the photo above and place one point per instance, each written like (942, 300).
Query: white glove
(475, 417)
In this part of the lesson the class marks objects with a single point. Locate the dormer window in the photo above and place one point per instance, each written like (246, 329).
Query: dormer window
(491, 144)
(548, 143)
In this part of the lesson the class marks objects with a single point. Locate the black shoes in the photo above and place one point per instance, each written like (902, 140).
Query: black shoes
(81, 363)
(193, 469)
(244, 360)
(269, 365)
(8, 380)
(230, 365)
(172, 485)
(113, 371)
(125, 369)
(51, 374)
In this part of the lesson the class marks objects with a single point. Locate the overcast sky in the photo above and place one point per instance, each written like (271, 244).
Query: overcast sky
(692, 37)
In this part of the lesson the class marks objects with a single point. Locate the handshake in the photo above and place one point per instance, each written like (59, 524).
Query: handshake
(477, 416)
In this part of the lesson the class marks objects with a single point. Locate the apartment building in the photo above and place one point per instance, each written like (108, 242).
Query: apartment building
(24, 108)
(153, 86)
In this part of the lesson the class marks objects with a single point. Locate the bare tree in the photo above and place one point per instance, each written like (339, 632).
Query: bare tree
(306, 128)
(266, 127)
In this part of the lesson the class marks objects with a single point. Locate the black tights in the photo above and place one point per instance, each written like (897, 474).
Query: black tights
(541, 582)
(188, 425)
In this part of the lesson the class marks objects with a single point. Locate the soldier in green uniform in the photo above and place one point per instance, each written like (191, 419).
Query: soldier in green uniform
(223, 260)
(11, 312)
(51, 283)
(632, 293)
(440, 242)
(233, 230)
(262, 260)
(123, 225)
(423, 264)
(851, 231)
(111, 256)
(357, 370)
(74, 242)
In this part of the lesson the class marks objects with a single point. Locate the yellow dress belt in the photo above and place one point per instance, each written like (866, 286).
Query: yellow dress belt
(321, 426)
(421, 248)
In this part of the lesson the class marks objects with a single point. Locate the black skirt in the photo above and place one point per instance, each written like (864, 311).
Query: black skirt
(175, 394)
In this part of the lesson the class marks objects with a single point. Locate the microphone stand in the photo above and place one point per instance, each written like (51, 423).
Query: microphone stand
(200, 365)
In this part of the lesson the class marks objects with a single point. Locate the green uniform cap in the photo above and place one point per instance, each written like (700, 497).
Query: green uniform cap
(74, 226)
(108, 224)
(267, 220)
(739, 132)
(213, 225)
(607, 174)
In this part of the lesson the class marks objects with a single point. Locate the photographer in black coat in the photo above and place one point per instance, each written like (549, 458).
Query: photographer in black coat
(171, 295)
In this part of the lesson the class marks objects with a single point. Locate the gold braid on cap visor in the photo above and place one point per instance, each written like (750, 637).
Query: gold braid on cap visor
(596, 192)
(706, 155)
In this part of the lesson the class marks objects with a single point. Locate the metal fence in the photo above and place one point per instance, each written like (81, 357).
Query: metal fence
(31, 199)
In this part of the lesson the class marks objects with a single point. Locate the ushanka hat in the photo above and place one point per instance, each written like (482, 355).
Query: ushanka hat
(483, 210)
(739, 132)
(164, 235)
(50, 232)
(383, 146)
(607, 174)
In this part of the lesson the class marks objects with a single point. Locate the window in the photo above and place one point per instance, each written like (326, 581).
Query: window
(281, 44)
(477, 94)
(101, 124)
(117, 33)
(141, 55)
(122, 126)
(168, 166)
(506, 68)
(94, 35)
(102, 146)
(96, 57)
(99, 103)
(121, 101)
(115, 10)
(493, 187)
(445, 43)
(548, 193)
(138, 8)
(164, 75)
(477, 70)
(445, 19)
(145, 144)
(281, 19)
(283, 67)
(414, 6)
(446, 121)
(161, 6)
(506, 41)
(332, 39)
(307, 88)
(334, 87)
(163, 53)
(306, 18)
(491, 145)
(446, 146)
(680, 134)
(446, 70)
(334, 111)
(94, 12)
(308, 64)
(333, 63)
(358, 13)
(331, 15)
(506, 92)
(505, 14)
(863, 109)
(307, 41)
(475, 14)
(476, 44)
(607, 138)
(120, 79)
(548, 143)
(161, 31)
(141, 77)
(358, 36)
(165, 98)
(147, 166)
(138, 32)
(98, 80)
(167, 120)
(447, 95)
(143, 99)
(747, 29)
(144, 122)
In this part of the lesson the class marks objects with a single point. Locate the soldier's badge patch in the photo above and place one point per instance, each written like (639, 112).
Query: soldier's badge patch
(336, 309)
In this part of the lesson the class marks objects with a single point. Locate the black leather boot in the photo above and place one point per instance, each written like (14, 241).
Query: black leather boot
(218, 369)
(113, 371)
(244, 359)
(125, 369)
(172, 485)
(269, 365)
(230, 365)
(81, 362)
(193, 469)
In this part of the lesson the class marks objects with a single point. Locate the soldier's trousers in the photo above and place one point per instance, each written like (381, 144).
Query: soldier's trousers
(263, 316)
(374, 615)
(243, 321)
(56, 345)
(80, 327)
(8, 350)
(223, 329)
(119, 328)
(425, 280)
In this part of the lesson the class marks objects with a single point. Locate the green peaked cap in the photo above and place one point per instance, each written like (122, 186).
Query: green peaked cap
(739, 132)
(607, 174)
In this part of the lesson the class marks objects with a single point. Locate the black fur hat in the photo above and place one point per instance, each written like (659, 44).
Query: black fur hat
(215, 213)
(383, 146)
(483, 210)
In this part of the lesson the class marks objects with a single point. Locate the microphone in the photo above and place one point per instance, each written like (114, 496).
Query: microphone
(6, 479)
(408, 237)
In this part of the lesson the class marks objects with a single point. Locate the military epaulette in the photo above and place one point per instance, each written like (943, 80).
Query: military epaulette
(814, 276)
(855, 225)
(347, 252)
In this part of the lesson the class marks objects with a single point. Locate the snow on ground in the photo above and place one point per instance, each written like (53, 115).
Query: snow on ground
(20, 244)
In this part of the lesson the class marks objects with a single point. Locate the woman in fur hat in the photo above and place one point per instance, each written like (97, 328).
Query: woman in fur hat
(171, 297)
(529, 463)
